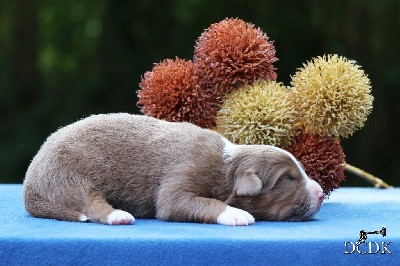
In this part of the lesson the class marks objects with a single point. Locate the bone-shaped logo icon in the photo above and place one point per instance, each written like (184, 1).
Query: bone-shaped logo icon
(363, 235)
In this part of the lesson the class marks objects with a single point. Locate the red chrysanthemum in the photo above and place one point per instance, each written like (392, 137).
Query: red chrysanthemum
(172, 92)
(233, 53)
(322, 157)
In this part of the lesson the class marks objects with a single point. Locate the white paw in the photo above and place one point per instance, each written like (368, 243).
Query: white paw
(83, 218)
(233, 216)
(118, 217)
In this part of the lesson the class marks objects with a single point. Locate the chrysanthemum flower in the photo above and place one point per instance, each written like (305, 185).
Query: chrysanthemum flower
(171, 92)
(257, 114)
(322, 157)
(233, 53)
(332, 96)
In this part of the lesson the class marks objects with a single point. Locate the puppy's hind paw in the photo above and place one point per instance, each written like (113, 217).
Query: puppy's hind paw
(119, 217)
(233, 216)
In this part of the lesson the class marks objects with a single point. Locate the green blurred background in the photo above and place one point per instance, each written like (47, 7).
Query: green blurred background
(63, 60)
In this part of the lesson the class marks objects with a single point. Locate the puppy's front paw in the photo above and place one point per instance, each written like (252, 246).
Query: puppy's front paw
(234, 216)
(118, 217)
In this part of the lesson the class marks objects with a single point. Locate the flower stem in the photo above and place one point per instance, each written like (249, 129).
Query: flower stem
(377, 182)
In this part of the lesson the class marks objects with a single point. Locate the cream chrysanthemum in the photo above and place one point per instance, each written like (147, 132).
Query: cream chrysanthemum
(257, 114)
(332, 96)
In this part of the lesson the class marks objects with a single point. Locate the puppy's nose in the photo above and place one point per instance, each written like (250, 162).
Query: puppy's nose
(320, 196)
(316, 191)
(316, 196)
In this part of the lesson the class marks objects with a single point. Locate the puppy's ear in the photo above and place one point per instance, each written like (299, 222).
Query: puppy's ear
(248, 184)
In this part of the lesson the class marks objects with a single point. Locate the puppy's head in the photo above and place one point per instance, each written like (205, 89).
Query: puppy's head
(271, 184)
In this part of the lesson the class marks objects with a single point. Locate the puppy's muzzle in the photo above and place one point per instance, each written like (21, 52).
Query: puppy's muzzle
(316, 196)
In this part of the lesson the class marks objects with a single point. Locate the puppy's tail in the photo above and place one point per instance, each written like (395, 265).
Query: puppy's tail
(38, 206)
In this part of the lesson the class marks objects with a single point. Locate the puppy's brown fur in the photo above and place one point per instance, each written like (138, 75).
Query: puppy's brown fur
(152, 168)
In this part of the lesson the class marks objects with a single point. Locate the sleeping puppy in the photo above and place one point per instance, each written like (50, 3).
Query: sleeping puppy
(110, 168)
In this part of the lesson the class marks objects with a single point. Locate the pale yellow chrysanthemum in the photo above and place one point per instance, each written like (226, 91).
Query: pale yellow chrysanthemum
(332, 96)
(257, 114)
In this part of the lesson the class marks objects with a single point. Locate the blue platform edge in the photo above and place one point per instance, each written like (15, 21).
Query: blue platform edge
(25, 240)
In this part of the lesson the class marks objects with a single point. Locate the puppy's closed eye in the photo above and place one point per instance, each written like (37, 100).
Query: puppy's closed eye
(285, 181)
(290, 177)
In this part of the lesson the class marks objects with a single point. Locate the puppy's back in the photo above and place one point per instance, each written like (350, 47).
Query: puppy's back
(122, 155)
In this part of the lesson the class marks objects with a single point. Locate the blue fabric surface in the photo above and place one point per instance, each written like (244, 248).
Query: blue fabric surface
(25, 240)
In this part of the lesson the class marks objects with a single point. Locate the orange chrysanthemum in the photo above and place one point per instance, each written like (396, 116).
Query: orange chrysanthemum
(233, 53)
(171, 92)
(322, 157)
